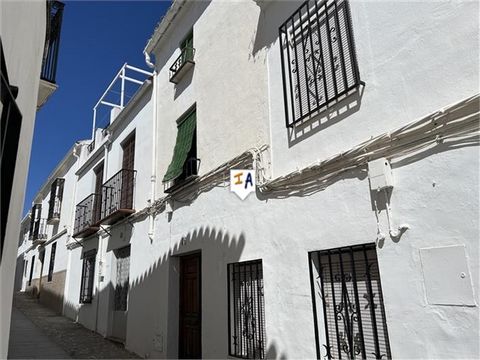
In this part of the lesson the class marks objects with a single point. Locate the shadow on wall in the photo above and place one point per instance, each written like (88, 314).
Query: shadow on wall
(153, 300)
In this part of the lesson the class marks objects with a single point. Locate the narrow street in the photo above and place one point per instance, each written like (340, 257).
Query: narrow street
(39, 333)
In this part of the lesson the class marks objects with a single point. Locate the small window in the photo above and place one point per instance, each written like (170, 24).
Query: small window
(184, 164)
(31, 271)
(55, 202)
(88, 273)
(319, 63)
(246, 310)
(52, 262)
(346, 289)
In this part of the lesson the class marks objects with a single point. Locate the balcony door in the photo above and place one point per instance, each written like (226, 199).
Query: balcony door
(128, 173)
(97, 202)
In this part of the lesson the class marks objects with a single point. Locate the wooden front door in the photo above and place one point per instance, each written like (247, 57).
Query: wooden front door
(190, 334)
(128, 174)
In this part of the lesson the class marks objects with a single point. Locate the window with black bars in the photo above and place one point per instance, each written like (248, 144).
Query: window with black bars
(51, 266)
(348, 305)
(32, 265)
(246, 310)
(319, 63)
(56, 196)
(122, 280)
(88, 272)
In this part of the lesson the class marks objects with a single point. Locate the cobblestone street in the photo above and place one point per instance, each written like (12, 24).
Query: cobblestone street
(38, 332)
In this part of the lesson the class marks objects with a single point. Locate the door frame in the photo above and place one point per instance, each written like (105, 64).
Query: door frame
(193, 254)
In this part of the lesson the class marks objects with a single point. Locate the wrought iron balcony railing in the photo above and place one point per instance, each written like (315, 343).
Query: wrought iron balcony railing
(87, 216)
(39, 230)
(117, 196)
(190, 171)
(55, 206)
(52, 40)
(182, 64)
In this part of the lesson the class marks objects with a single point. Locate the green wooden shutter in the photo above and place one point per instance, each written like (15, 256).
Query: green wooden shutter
(186, 131)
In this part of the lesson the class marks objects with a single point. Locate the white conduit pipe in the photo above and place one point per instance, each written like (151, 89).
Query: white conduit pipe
(454, 122)
(153, 177)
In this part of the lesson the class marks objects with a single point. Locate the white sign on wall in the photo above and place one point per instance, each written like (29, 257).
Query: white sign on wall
(242, 182)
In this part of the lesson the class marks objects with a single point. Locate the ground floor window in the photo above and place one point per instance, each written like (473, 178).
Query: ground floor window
(31, 271)
(346, 290)
(246, 310)
(51, 266)
(88, 272)
(123, 274)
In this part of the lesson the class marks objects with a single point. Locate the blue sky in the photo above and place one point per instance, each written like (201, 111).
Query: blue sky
(97, 38)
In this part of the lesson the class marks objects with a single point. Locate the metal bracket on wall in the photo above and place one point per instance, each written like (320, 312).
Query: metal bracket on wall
(105, 229)
(78, 242)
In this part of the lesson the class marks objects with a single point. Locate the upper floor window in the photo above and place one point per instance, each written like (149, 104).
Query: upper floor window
(184, 165)
(185, 61)
(55, 202)
(246, 310)
(319, 63)
(346, 288)
(38, 225)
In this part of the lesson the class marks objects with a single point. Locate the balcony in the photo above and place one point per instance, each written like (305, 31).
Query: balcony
(87, 216)
(54, 210)
(183, 63)
(39, 230)
(50, 53)
(117, 196)
(190, 172)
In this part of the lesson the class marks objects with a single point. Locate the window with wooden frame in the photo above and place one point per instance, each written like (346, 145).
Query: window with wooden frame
(319, 62)
(88, 274)
(246, 310)
(51, 266)
(348, 308)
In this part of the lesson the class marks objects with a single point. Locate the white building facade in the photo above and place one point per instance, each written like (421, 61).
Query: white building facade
(29, 39)
(360, 120)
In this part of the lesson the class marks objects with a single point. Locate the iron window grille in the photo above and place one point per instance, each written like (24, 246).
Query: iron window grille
(319, 63)
(51, 266)
(52, 40)
(345, 283)
(32, 265)
(55, 202)
(118, 192)
(246, 310)
(88, 273)
(38, 225)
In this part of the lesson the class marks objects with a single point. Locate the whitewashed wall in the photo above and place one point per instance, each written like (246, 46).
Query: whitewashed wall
(22, 28)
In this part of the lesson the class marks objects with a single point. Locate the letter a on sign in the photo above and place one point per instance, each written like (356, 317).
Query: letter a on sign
(242, 182)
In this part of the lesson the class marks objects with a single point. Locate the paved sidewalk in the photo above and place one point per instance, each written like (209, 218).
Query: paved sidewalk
(38, 332)
(28, 342)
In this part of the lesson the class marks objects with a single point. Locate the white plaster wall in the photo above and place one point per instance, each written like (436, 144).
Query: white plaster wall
(22, 28)
(228, 83)
(415, 58)
(228, 230)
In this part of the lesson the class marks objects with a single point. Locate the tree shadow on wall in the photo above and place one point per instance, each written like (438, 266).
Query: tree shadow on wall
(153, 300)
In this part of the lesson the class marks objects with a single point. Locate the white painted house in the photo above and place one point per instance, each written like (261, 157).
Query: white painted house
(360, 120)
(29, 43)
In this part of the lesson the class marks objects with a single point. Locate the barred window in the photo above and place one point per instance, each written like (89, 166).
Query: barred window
(52, 262)
(319, 64)
(346, 289)
(246, 310)
(88, 272)
(122, 280)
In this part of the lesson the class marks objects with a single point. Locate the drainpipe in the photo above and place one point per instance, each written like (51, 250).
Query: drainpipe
(72, 220)
(101, 261)
(153, 177)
